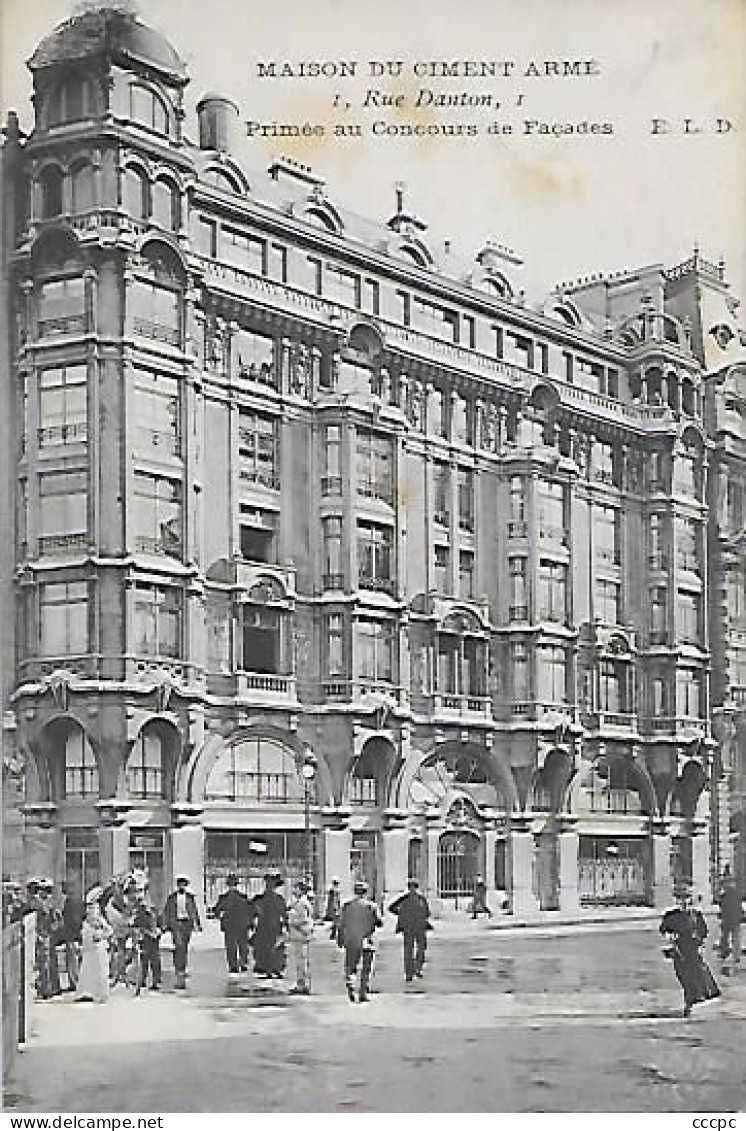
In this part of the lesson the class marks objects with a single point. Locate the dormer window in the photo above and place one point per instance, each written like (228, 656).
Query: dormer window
(73, 101)
(51, 192)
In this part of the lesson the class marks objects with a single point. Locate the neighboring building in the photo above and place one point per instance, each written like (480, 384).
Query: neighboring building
(320, 530)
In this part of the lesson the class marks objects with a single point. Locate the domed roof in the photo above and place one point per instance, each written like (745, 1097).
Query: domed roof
(109, 31)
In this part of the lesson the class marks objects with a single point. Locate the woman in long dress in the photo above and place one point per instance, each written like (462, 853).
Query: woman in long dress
(93, 980)
(269, 917)
(686, 928)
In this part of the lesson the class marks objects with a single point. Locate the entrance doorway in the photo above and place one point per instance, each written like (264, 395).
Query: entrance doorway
(82, 867)
(251, 855)
(613, 870)
(146, 853)
(458, 865)
(363, 863)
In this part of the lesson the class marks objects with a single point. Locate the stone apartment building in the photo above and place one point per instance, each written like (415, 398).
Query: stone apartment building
(325, 551)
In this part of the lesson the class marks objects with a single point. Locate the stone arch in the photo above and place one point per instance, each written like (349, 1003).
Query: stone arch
(37, 784)
(322, 213)
(57, 248)
(495, 765)
(552, 781)
(162, 258)
(692, 437)
(378, 754)
(414, 250)
(646, 789)
(171, 747)
(687, 790)
(366, 338)
(51, 743)
(227, 177)
(192, 779)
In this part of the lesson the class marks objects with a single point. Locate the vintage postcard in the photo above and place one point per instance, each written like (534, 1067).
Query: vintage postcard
(373, 557)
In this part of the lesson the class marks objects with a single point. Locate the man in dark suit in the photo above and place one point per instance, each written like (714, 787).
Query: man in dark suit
(233, 910)
(181, 917)
(412, 922)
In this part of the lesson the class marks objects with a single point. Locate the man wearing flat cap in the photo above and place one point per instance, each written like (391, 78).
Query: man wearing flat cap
(233, 911)
(181, 917)
(357, 922)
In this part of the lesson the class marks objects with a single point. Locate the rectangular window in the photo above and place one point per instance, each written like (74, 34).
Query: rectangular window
(607, 602)
(521, 350)
(657, 466)
(734, 504)
(314, 274)
(686, 537)
(437, 413)
(552, 591)
(63, 619)
(374, 650)
(157, 621)
(687, 693)
(342, 287)
(611, 677)
(551, 674)
(63, 401)
(253, 357)
(63, 511)
(518, 589)
(659, 696)
(61, 307)
(519, 672)
(375, 552)
(335, 652)
(465, 492)
(466, 573)
(241, 250)
(157, 515)
(435, 320)
(517, 522)
(371, 296)
(277, 263)
(257, 449)
(605, 465)
(735, 586)
(333, 567)
(551, 511)
(207, 238)
(375, 466)
(442, 493)
(657, 556)
(461, 421)
(156, 312)
(606, 531)
(157, 415)
(331, 483)
(257, 534)
(658, 615)
(402, 307)
(443, 570)
(688, 617)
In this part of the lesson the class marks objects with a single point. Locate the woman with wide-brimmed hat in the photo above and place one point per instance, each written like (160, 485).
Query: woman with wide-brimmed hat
(686, 929)
(93, 980)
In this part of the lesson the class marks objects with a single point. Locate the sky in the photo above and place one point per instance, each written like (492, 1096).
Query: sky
(571, 205)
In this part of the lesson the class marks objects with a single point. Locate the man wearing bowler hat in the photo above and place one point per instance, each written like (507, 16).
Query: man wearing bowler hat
(181, 917)
(412, 923)
(233, 911)
(357, 922)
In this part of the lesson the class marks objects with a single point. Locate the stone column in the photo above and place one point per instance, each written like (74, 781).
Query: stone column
(337, 842)
(569, 894)
(490, 839)
(188, 859)
(432, 838)
(41, 855)
(522, 896)
(662, 880)
(701, 861)
(395, 857)
(113, 849)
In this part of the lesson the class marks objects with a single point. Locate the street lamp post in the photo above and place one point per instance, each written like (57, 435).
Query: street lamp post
(308, 771)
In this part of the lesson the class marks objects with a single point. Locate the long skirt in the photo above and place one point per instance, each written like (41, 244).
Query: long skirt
(269, 952)
(695, 978)
(93, 980)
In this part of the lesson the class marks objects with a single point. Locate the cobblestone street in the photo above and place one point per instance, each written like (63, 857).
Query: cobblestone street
(560, 1019)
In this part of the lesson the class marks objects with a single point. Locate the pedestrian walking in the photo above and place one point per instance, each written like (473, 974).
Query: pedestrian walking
(118, 907)
(233, 911)
(412, 923)
(48, 933)
(686, 929)
(73, 914)
(333, 908)
(96, 934)
(479, 905)
(300, 933)
(357, 922)
(181, 919)
(269, 921)
(147, 924)
(729, 900)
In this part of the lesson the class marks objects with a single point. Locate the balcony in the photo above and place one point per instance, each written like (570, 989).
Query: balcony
(259, 476)
(674, 725)
(54, 544)
(248, 575)
(258, 374)
(263, 687)
(554, 535)
(461, 706)
(518, 613)
(517, 530)
(738, 696)
(156, 332)
(331, 485)
(607, 556)
(378, 584)
(65, 324)
(530, 709)
(657, 560)
(333, 581)
(603, 720)
(366, 694)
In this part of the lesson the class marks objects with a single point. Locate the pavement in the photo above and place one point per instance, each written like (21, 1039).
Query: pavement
(581, 1016)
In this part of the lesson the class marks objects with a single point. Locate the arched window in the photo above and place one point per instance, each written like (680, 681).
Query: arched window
(319, 219)
(51, 182)
(365, 784)
(218, 178)
(135, 194)
(611, 786)
(165, 211)
(148, 109)
(82, 189)
(145, 776)
(81, 770)
(255, 770)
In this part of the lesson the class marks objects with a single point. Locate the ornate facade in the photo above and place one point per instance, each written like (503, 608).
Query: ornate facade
(328, 550)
